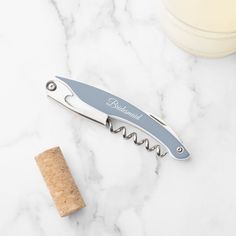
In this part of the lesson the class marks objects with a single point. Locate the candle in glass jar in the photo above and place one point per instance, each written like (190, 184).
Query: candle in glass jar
(203, 27)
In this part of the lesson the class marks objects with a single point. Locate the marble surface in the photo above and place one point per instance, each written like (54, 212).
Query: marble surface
(118, 46)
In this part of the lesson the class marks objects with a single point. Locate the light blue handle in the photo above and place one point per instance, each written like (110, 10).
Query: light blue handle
(116, 107)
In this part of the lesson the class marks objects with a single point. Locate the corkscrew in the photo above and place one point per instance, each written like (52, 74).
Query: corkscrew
(103, 107)
(134, 135)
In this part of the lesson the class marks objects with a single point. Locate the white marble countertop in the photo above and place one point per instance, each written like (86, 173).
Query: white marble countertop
(120, 47)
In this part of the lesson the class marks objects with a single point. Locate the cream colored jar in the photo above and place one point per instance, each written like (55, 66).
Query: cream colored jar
(201, 27)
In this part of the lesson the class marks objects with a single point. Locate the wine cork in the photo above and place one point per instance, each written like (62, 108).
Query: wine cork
(60, 182)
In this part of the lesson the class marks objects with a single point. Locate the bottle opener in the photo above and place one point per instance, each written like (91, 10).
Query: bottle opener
(103, 107)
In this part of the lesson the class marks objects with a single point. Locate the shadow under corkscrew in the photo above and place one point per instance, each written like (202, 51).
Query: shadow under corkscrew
(134, 135)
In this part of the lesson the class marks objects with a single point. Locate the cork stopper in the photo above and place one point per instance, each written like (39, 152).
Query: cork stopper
(59, 181)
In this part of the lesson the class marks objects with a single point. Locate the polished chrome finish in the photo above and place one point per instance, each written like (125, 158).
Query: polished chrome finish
(134, 135)
(63, 94)
(51, 86)
(180, 149)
